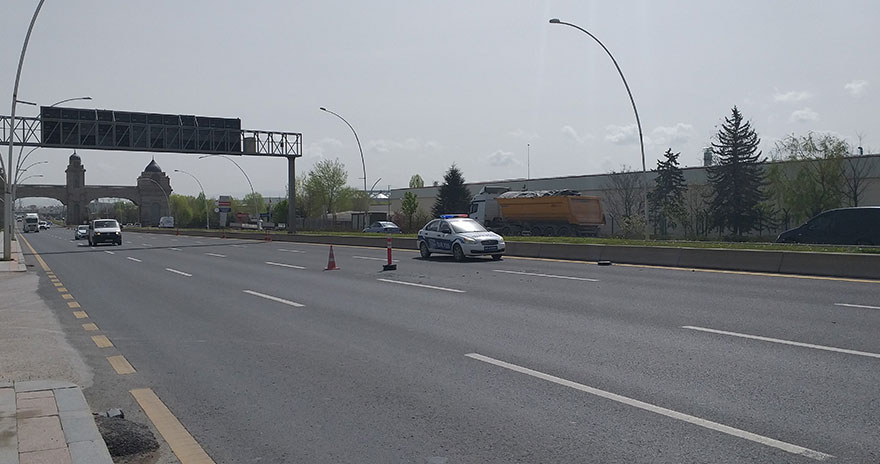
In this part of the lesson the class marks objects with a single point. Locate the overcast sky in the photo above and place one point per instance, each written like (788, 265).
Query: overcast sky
(431, 83)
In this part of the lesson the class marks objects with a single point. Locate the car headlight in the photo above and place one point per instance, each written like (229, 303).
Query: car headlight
(468, 240)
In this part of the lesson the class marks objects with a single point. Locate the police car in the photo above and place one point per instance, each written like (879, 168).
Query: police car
(460, 236)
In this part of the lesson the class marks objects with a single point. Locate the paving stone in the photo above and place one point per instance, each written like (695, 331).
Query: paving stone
(7, 402)
(8, 440)
(40, 433)
(34, 385)
(90, 452)
(70, 399)
(36, 407)
(79, 426)
(35, 394)
(55, 456)
(5, 384)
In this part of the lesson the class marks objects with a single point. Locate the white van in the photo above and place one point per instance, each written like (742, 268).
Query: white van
(31, 223)
(166, 221)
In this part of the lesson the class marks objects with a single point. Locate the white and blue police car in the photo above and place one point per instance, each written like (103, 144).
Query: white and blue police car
(460, 236)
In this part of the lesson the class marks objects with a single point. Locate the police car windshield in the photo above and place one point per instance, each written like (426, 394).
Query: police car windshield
(466, 225)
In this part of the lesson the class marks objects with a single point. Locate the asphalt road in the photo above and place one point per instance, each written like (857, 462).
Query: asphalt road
(520, 360)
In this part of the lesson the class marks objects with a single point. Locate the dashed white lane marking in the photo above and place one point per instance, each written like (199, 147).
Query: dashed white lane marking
(788, 447)
(784, 342)
(109, 252)
(375, 259)
(133, 259)
(284, 265)
(535, 274)
(174, 249)
(290, 251)
(216, 254)
(421, 285)
(146, 244)
(200, 242)
(238, 246)
(274, 298)
(856, 306)
(186, 274)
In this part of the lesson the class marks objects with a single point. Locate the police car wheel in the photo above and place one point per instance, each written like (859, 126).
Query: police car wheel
(457, 252)
(423, 250)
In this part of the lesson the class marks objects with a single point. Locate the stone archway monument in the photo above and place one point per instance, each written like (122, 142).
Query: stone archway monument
(93, 129)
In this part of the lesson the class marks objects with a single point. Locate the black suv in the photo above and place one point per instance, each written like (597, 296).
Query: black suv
(844, 226)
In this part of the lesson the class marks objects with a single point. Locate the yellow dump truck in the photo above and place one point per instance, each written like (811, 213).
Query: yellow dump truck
(537, 212)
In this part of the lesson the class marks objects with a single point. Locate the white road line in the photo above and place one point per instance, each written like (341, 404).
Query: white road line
(547, 275)
(109, 252)
(174, 249)
(856, 306)
(178, 272)
(238, 246)
(146, 244)
(788, 447)
(375, 259)
(133, 259)
(284, 265)
(199, 242)
(784, 342)
(216, 254)
(421, 285)
(273, 298)
(291, 251)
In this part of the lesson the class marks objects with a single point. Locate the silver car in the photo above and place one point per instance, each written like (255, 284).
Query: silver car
(82, 231)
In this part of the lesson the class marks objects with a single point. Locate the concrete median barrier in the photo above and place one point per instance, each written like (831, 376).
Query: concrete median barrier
(734, 260)
(655, 256)
(865, 266)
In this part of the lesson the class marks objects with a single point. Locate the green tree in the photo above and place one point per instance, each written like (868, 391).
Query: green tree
(667, 197)
(126, 212)
(453, 197)
(409, 206)
(813, 178)
(253, 203)
(181, 210)
(279, 212)
(325, 185)
(738, 180)
(416, 181)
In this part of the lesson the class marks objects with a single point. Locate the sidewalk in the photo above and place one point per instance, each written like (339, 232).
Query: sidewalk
(17, 264)
(48, 422)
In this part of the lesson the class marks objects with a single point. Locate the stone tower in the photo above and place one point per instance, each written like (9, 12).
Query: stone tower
(155, 189)
(76, 191)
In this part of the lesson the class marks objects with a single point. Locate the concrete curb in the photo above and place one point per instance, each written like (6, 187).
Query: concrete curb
(48, 421)
(852, 265)
(17, 264)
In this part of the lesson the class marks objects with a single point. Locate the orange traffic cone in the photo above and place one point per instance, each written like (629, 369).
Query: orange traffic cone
(331, 262)
(268, 238)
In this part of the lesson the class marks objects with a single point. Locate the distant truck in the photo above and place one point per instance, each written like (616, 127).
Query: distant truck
(559, 213)
(31, 223)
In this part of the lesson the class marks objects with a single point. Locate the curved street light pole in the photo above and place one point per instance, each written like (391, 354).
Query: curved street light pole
(19, 172)
(7, 194)
(363, 164)
(207, 224)
(636, 111)
(15, 186)
(167, 199)
(253, 193)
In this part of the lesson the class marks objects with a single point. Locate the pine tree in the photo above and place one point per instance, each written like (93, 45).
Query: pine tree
(667, 198)
(738, 179)
(454, 197)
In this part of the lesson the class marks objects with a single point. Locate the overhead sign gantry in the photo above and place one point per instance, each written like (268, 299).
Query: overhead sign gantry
(94, 129)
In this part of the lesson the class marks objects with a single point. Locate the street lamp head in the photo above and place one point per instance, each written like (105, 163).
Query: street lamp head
(323, 109)
(177, 170)
(555, 21)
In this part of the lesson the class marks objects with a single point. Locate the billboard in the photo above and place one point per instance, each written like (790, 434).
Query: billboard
(132, 131)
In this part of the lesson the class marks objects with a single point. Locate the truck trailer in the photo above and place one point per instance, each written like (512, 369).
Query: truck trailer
(537, 212)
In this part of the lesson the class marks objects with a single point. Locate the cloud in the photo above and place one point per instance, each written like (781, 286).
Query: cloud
(573, 134)
(321, 148)
(501, 158)
(411, 144)
(622, 135)
(677, 134)
(791, 96)
(804, 115)
(856, 87)
(523, 135)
